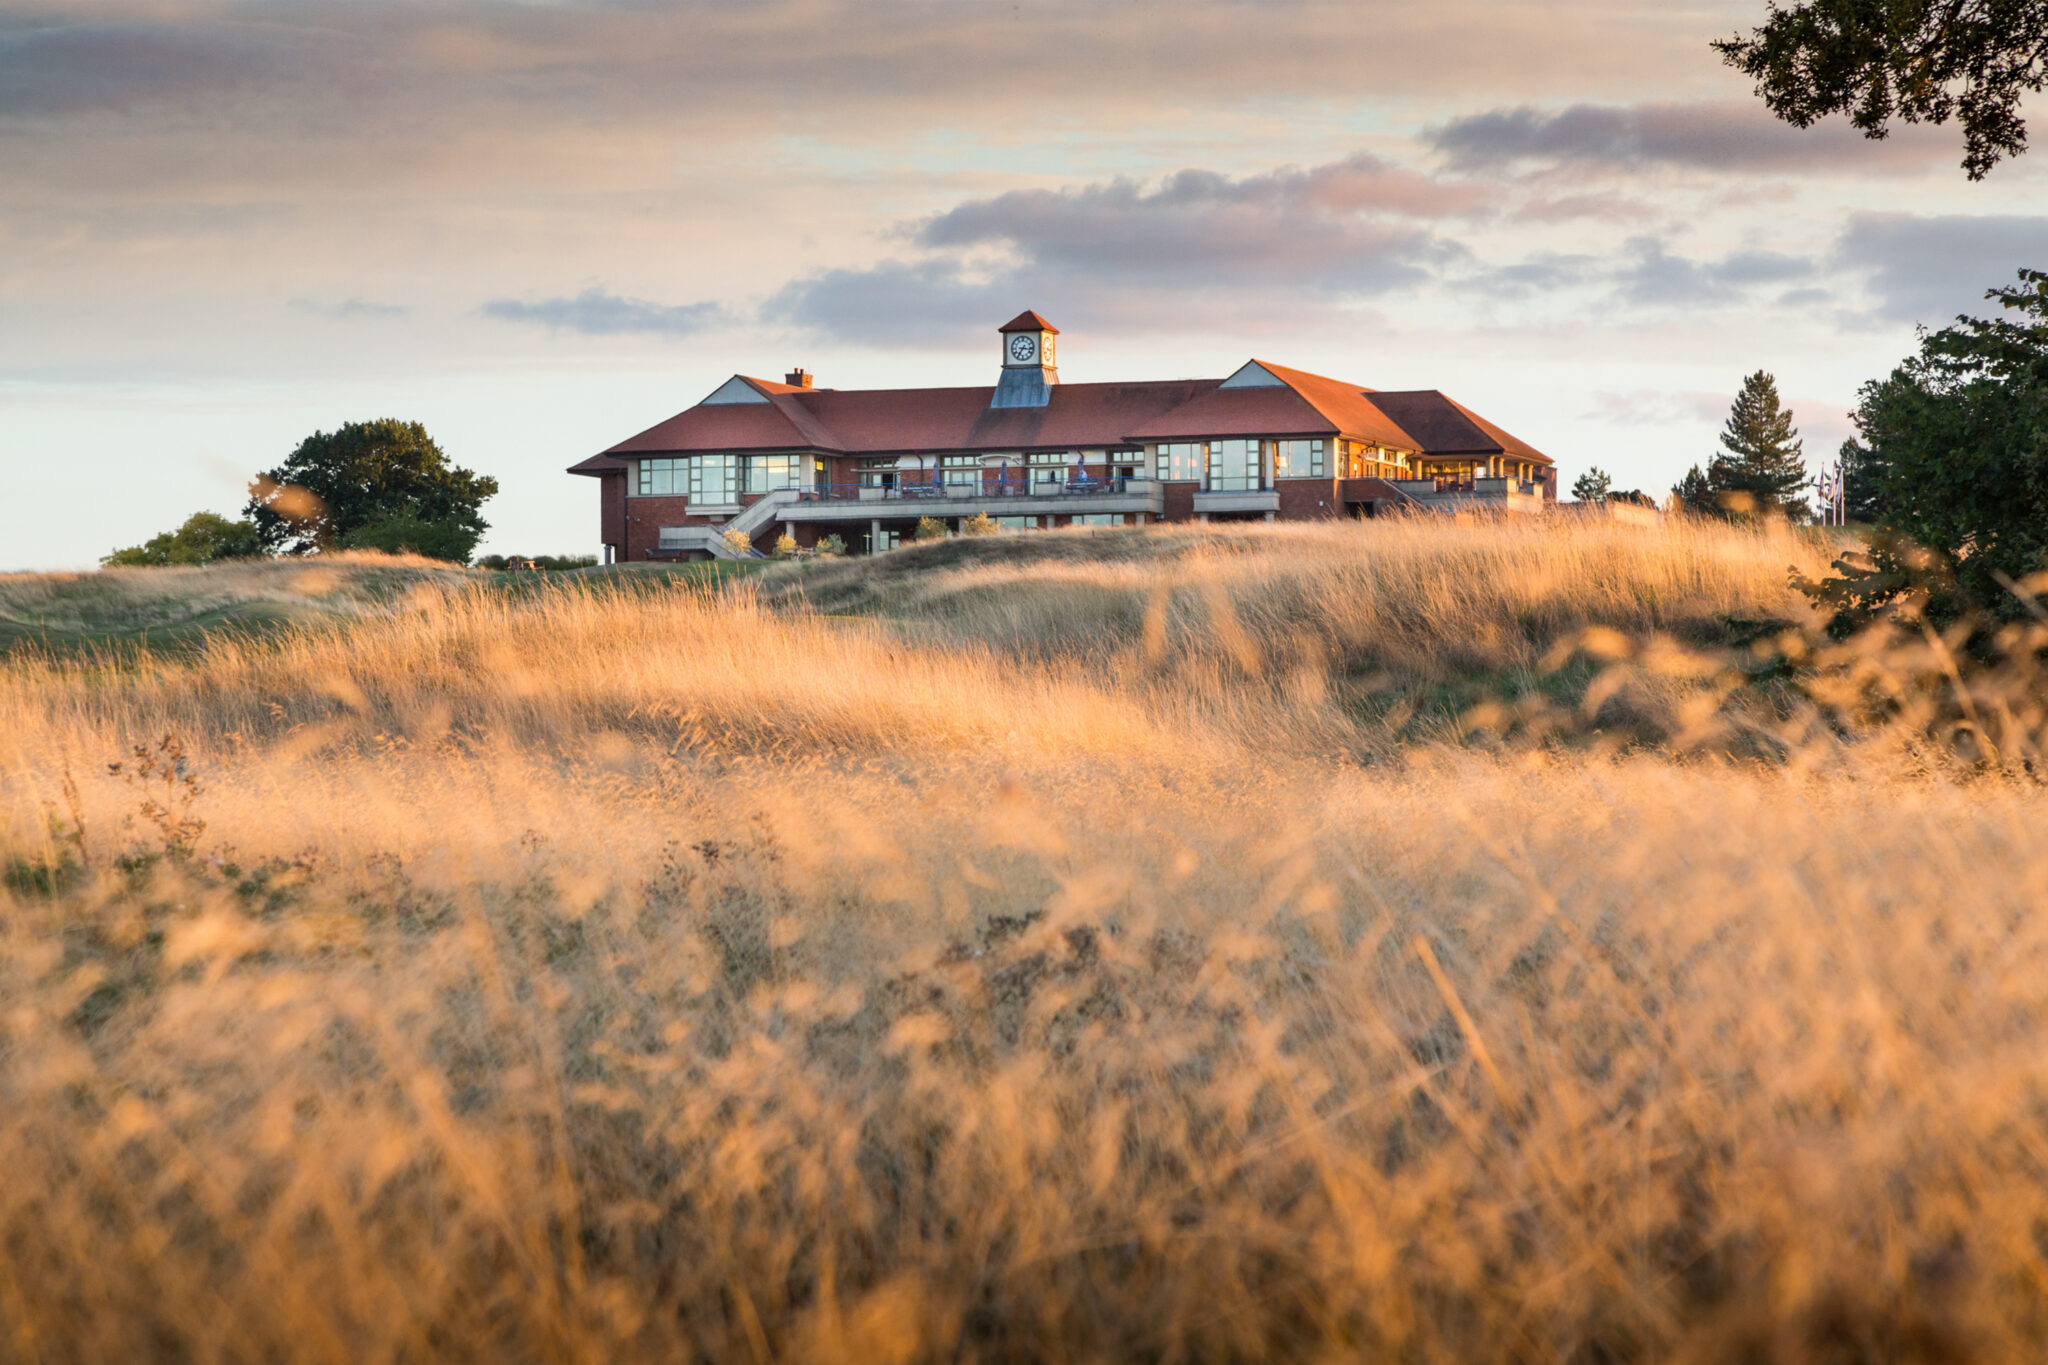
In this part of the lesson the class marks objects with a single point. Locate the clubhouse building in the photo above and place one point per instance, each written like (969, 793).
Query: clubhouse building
(1267, 443)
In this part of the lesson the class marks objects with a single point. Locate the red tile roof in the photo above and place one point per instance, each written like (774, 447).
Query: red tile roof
(1442, 426)
(1078, 416)
(1028, 321)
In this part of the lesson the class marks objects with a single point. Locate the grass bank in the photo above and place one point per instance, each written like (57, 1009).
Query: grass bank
(621, 972)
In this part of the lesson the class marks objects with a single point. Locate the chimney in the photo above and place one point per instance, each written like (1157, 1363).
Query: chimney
(799, 378)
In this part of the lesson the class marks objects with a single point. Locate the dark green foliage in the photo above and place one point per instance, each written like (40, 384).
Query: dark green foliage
(1962, 429)
(205, 537)
(1863, 476)
(407, 533)
(1695, 493)
(1924, 61)
(556, 562)
(1593, 485)
(1761, 469)
(362, 474)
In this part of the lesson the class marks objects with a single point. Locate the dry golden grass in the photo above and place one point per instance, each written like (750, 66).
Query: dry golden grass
(599, 975)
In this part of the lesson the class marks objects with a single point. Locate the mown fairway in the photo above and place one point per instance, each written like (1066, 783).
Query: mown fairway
(1414, 942)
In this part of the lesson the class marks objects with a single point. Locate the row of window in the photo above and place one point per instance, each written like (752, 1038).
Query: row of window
(1240, 466)
(721, 479)
(1232, 465)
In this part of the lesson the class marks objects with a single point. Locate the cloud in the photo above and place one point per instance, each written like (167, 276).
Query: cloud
(1125, 253)
(69, 69)
(595, 312)
(1929, 269)
(1655, 278)
(1698, 136)
(348, 310)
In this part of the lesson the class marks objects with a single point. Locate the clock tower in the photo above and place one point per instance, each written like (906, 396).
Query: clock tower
(1029, 368)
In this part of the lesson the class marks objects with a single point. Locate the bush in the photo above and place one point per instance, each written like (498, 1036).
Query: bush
(739, 542)
(930, 528)
(555, 562)
(205, 537)
(405, 533)
(785, 545)
(980, 524)
(831, 545)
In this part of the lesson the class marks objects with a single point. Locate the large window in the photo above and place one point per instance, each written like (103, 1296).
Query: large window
(767, 473)
(1183, 460)
(1299, 459)
(1234, 467)
(961, 471)
(661, 478)
(715, 480)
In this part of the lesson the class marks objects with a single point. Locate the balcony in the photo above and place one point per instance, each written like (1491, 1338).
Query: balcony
(1461, 495)
(845, 502)
(1238, 500)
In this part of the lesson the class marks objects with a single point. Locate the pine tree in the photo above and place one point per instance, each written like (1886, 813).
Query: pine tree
(1695, 493)
(1863, 476)
(1762, 467)
(1592, 485)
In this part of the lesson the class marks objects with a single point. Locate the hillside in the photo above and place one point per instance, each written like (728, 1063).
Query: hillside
(1056, 947)
(177, 609)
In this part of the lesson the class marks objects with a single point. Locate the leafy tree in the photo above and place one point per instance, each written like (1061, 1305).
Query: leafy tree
(1762, 466)
(407, 533)
(1593, 485)
(205, 537)
(342, 482)
(1962, 429)
(1924, 61)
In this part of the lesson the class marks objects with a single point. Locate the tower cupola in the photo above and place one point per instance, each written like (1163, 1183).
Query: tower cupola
(1029, 366)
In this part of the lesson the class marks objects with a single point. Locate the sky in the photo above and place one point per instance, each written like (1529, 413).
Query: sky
(540, 226)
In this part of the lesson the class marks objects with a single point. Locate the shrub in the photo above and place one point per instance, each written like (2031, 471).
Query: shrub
(980, 524)
(406, 533)
(739, 542)
(205, 537)
(833, 546)
(785, 545)
(930, 528)
(537, 562)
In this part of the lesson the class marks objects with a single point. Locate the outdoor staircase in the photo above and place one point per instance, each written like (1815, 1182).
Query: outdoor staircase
(711, 539)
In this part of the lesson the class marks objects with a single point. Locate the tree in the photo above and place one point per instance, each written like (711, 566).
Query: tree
(1695, 493)
(1962, 434)
(1762, 467)
(1924, 61)
(205, 537)
(1592, 486)
(407, 533)
(364, 473)
(930, 528)
(980, 524)
(1863, 479)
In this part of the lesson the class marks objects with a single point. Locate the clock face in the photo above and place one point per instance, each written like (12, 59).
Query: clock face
(1023, 346)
